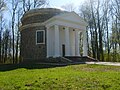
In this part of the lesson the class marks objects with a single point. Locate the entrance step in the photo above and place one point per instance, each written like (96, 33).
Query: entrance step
(80, 59)
(62, 60)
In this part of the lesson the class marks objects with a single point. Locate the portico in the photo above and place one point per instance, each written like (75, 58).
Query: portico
(62, 35)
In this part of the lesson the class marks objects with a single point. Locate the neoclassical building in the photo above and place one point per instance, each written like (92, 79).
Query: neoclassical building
(50, 32)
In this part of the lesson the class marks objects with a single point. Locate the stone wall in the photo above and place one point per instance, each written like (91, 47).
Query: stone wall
(29, 48)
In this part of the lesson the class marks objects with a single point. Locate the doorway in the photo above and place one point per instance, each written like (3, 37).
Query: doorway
(63, 50)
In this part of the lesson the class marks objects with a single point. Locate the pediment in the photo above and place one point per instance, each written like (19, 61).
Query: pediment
(71, 16)
(70, 19)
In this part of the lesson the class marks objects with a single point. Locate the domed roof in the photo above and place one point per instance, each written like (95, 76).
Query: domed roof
(43, 11)
(40, 15)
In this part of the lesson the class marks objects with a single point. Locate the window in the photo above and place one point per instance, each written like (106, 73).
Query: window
(40, 37)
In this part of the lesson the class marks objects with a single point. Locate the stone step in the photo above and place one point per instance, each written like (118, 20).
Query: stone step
(81, 59)
(62, 60)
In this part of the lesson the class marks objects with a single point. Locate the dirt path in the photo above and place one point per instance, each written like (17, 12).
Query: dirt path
(105, 63)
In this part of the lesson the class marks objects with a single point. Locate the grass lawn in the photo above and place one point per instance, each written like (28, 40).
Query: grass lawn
(73, 77)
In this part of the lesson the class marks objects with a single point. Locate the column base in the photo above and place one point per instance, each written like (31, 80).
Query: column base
(56, 56)
(77, 55)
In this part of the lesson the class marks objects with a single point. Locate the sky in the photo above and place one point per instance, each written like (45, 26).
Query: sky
(63, 2)
(59, 3)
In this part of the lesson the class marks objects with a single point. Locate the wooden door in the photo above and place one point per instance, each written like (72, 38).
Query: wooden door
(63, 50)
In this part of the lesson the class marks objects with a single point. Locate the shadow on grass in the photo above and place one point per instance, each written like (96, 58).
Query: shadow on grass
(8, 67)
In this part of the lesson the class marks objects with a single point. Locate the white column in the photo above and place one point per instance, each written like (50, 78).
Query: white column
(73, 44)
(47, 30)
(77, 43)
(67, 42)
(57, 48)
(85, 48)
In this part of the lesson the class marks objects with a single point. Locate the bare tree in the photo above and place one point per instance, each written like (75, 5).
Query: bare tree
(105, 25)
(19, 14)
(6, 39)
(115, 29)
(99, 16)
(39, 3)
(14, 8)
(2, 6)
(31, 4)
(89, 13)
(1, 30)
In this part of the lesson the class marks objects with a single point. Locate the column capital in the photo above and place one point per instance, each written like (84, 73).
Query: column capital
(56, 25)
(47, 27)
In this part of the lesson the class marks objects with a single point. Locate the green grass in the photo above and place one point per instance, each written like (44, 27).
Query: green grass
(74, 77)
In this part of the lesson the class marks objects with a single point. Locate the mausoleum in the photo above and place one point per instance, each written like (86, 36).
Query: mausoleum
(50, 32)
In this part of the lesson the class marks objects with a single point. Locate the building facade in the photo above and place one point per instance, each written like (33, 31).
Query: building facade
(50, 32)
